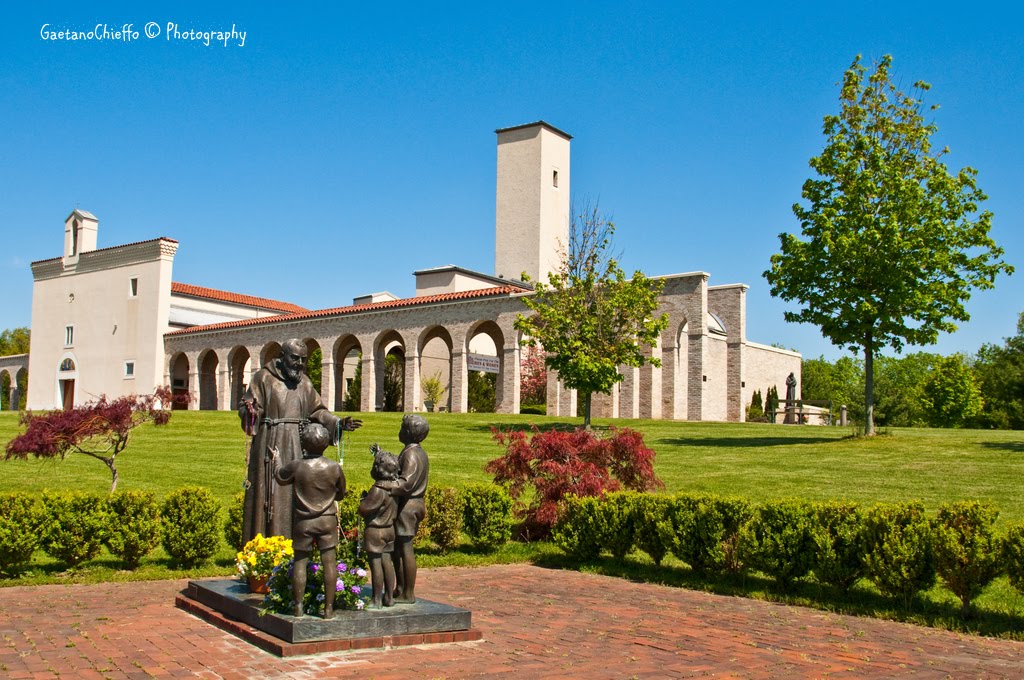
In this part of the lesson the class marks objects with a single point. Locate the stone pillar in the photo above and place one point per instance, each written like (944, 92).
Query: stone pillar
(629, 398)
(735, 408)
(327, 382)
(193, 385)
(224, 388)
(669, 380)
(460, 382)
(695, 377)
(412, 399)
(650, 386)
(553, 392)
(506, 399)
(368, 384)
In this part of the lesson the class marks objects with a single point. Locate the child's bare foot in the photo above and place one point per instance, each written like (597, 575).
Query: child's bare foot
(328, 612)
(297, 610)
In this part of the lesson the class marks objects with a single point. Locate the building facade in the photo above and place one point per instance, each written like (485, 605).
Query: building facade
(112, 321)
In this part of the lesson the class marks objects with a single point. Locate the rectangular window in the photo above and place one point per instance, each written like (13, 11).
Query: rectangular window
(69, 336)
(129, 369)
(554, 178)
(133, 287)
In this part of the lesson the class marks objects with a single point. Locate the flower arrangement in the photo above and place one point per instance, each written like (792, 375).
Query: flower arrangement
(260, 555)
(348, 591)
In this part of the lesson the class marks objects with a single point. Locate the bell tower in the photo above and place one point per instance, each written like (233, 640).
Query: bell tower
(80, 229)
(532, 202)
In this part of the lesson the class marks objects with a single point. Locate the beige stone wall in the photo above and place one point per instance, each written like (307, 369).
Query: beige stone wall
(766, 367)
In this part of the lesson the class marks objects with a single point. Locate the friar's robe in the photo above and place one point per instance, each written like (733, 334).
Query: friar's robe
(280, 407)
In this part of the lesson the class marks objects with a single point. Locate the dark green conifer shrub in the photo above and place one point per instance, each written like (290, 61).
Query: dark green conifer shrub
(134, 528)
(191, 525)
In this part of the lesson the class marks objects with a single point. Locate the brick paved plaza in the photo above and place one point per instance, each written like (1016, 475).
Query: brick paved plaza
(535, 622)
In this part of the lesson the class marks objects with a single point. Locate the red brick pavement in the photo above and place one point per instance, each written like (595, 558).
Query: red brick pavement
(536, 623)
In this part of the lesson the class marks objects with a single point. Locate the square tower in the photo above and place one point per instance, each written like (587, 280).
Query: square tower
(532, 203)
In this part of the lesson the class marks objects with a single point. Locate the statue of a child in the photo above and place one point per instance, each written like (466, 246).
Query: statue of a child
(380, 509)
(319, 483)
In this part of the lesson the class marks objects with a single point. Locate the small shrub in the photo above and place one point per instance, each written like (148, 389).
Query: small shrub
(779, 540)
(1011, 551)
(653, 525)
(350, 549)
(899, 554)
(534, 410)
(487, 515)
(706, 531)
(839, 539)
(618, 515)
(579, 530)
(22, 518)
(444, 516)
(233, 523)
(75, 528)
(966, 548)
(134, 528)
(191, 523)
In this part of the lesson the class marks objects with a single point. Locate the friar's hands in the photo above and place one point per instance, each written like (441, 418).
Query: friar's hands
(348, 423)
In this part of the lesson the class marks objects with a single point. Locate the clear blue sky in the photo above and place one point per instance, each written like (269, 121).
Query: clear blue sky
(351, 145)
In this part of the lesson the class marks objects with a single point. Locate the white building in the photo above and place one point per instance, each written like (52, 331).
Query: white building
(112, 321)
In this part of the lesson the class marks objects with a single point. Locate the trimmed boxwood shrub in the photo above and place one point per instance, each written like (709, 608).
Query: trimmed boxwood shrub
(706, 531)
(966, 549)
(134, 528)
(653, 525)
(76, 526)
(487, 515)
(899, 552)
(22, 518)
(779, 540)
(191, 518)
(579, 530)
(839, 543)
(618, 518)
(233, 523)
(1011, 551)
(444, 516)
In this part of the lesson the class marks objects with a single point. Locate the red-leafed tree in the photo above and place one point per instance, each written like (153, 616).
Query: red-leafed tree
(98, 429)
(554, 464)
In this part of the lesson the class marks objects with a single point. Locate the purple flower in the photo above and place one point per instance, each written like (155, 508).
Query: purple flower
(314, 567)
(355, 589)
(339, 586)
(342, 567)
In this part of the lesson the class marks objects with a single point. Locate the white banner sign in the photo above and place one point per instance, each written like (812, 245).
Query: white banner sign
(482, 362)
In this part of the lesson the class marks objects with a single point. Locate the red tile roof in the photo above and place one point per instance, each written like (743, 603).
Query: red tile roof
(353, 309)
(234, 298)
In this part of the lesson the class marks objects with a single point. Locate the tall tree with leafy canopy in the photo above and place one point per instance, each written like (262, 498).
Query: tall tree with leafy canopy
(893, 242)
(588, 317)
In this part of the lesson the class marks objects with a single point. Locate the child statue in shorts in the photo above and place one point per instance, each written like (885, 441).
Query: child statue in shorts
(319, 483)
(380, 509)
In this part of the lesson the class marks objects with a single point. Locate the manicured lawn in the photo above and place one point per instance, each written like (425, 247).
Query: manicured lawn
(751, 460)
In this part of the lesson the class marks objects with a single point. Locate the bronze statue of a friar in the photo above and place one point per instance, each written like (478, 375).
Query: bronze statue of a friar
(279, 400)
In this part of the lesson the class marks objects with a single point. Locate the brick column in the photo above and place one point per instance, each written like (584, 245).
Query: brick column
(735, 410)
(629, 399)
(224, 388)
(506, 399)
(695, 378)
(327, 383)
(412, 399)
(669, 381)
(460, 382)
(650, 387)
(368, 384)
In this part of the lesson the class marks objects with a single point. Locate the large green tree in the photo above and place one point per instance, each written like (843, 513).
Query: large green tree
(893, 242)
(14, 341)
(589, 318)
(1000, 371)
(950, 396)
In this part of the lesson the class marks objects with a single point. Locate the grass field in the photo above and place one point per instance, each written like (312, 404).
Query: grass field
(755, 461)
(751, 460)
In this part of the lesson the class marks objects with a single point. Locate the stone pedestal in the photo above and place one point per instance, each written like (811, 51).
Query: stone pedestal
(229, 604)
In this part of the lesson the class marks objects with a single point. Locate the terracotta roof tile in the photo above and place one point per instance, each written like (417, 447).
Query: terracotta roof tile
(354, 309)
(234, 298)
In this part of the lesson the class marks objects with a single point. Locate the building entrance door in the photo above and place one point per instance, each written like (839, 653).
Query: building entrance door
(67, 388)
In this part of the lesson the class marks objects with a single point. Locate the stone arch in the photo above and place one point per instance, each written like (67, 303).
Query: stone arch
(675, 361)
(389, 396)
(208, 363)
(347, 353)
(6, 390)
(178, 368)
(239, 370)
(435, 351)
(270, 351)
(486, 339)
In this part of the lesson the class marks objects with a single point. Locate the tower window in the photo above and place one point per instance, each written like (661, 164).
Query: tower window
(129, 369)
(133, 287)
(69, 336)
(554, 178)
